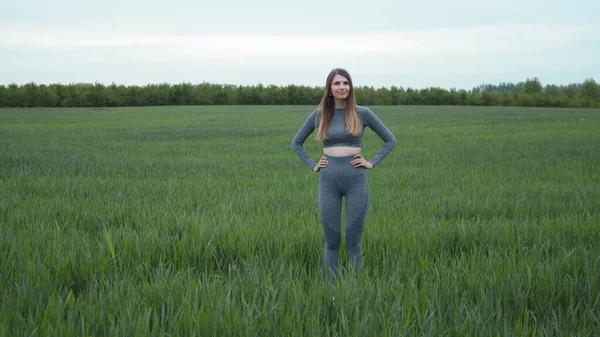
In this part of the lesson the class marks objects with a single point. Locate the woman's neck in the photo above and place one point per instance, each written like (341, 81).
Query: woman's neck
(340, 103)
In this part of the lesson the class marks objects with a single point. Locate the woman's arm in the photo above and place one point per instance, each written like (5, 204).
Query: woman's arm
(375, 124)
(307, 128)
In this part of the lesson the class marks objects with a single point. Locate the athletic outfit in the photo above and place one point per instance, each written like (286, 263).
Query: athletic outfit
(340, 179)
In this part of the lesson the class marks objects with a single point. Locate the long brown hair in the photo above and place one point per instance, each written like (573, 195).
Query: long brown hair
(327, 105)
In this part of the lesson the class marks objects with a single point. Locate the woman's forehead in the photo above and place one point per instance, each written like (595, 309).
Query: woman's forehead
(340, 78)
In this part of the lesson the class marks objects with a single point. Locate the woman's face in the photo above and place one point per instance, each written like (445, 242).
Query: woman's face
(340, 87)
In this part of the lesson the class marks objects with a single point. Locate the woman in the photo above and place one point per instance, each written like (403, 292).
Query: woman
(340, 125)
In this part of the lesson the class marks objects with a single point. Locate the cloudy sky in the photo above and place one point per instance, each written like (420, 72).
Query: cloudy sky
(418, 44)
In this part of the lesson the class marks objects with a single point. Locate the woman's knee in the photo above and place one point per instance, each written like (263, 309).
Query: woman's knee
(333, 241)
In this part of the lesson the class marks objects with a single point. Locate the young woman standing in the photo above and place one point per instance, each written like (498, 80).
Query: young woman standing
(340, 125)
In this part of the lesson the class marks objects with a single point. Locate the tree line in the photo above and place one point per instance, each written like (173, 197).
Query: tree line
(528, 93)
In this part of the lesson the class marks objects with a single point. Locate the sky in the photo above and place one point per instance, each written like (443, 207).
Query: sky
(382, 43)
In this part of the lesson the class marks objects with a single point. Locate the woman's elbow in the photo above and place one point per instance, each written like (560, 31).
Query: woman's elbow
(295, 145)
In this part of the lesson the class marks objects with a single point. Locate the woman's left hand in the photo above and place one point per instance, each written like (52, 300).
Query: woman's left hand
(360, 161)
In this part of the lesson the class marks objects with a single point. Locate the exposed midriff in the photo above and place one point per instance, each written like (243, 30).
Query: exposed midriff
(341, 151)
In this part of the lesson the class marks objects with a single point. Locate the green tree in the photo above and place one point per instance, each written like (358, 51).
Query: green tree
(411, 97)
(47, 97)
(489, 98)
(292, 94)
(95, 95)
(505, 100)
(384, 97)
(434, 96)
(365, 95)
(74, 96)
(3, 96)
(571, 90)
(475, 99)
(222, 95)
(532, 86)
(273, 95)
(525, 100)
(462, 98)
(589, 88)
(396, 95)
(12, 99)
(203, 94)
(552, 90)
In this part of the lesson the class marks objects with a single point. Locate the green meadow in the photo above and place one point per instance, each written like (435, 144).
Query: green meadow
(202, 221)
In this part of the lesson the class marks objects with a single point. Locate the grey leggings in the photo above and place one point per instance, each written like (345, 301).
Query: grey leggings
(339, 179)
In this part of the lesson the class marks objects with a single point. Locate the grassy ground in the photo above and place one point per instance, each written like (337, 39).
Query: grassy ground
(201, 221)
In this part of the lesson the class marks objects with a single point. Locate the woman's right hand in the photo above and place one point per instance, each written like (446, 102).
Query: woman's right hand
(322, 163)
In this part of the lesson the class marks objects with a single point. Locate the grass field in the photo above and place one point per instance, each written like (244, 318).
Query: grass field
(201, 221)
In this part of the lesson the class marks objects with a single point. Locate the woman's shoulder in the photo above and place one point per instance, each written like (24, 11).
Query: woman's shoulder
(314, 115)
(316, 112)
(363, 110)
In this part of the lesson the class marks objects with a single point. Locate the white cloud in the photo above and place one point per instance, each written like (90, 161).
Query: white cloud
(498, 38)
(428, 54)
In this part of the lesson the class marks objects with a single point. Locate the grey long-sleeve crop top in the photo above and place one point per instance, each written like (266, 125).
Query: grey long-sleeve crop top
(338, 135)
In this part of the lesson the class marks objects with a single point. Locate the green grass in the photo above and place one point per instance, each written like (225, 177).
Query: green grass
(201, 221)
